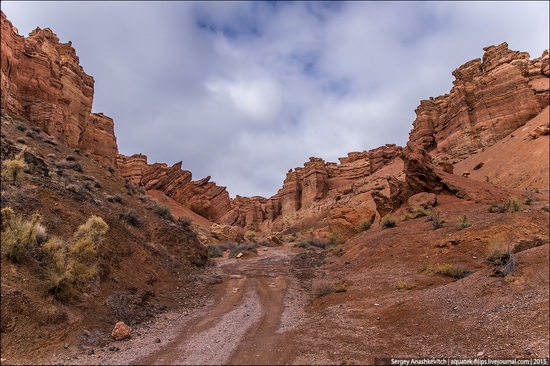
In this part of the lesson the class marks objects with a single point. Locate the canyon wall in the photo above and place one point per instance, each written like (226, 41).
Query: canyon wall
(305, 191)
(42, 80)
(491, 97)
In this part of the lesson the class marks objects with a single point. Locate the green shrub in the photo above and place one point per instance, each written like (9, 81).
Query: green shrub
(19, 235)
(13, 169)
(364, 225)
(388, 221)
(74, 264)
(463, 222)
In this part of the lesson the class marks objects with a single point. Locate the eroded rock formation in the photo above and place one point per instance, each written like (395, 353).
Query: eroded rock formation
(490, 98)
(42, 80)
(307, 192)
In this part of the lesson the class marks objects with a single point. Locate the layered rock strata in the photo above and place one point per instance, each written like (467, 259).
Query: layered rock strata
(490, 98)
(42, 80)
(305, 190)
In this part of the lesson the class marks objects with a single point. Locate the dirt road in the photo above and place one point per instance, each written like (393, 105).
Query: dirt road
(254, 305)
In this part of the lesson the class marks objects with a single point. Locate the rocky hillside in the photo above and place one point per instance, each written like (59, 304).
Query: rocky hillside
(63, 158)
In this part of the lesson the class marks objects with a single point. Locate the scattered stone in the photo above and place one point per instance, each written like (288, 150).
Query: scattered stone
(239, 255)
(481, 353)
(66, 345)
(423, 199)
(121, 331)
(528, 351)
(157, 340)
(479, 166)
(91, 351)
(114, 349)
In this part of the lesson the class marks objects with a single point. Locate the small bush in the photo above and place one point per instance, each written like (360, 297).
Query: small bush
(501, 256)
(267, 243)
(529, 197)
(19, 235)
(243, 248)
(511, 205)
(13, 169)
(436, 219)
(227, 246)
(163, 211)
(320, 243)
(184, 222)
(323, 288)
(452, 271)
(214, 251)
(74, 264)
(364, 225)
(388, 221)
(116, 198)
(132, 218)
(333, 239)
(302, 244)
(463, 222)
(40, 234)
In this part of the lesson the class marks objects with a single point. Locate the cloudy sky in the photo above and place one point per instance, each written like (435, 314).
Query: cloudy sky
(245, 91)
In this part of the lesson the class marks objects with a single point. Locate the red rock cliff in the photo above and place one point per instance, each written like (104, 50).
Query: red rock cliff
(490, 98)
(42, 80)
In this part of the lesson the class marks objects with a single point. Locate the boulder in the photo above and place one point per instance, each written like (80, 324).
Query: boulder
(227, 233)
(423, 199)
(121, 331)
